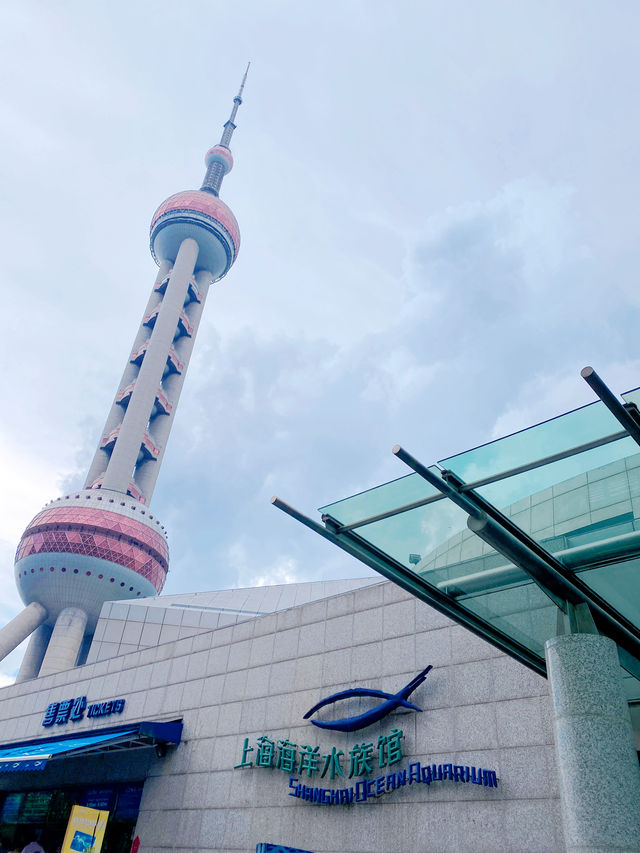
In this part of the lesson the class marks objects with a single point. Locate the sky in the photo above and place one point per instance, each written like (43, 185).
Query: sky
(438, 208)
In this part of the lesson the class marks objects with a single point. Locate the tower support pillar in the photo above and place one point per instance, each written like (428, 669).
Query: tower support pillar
(134, 424)
(597, 763)
(116, 414)
(147, 474)
(20, 627)
(32, 660)
(66, 641)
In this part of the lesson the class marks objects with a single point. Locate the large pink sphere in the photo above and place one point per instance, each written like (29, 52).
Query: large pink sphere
(202, 216)
(90, 548)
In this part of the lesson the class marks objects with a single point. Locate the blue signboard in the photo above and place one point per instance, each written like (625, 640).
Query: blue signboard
(367, 789)
(361, 721)
(98, 798)
(278, 848)
(129, 802)
(72, 710)
(82, 842)
(307, 759)
(11, 808)
(330, 768)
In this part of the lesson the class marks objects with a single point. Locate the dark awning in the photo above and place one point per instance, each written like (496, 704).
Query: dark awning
(34, 754)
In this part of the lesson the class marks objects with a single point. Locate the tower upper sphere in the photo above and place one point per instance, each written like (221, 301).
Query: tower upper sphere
(200, 214)
(205, 218)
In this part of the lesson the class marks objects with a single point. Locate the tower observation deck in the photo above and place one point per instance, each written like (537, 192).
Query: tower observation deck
(102, 543)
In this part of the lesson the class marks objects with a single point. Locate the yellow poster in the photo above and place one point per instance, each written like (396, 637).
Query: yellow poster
(85, 830)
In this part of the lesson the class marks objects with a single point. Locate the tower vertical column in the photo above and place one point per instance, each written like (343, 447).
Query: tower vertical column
(33, 657)
(597, 763)
(134, 424)
(147, 474)
(116, 413)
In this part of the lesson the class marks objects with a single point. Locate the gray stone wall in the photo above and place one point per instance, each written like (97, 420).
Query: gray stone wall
(126, 627)
(260, 676)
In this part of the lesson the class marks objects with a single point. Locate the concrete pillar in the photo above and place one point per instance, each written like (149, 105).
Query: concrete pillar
(116, 413)
(147, 473)
(32, 660)
(66, 641)
(84, 650)
(597, 763)
(134, 424)
(18, 629)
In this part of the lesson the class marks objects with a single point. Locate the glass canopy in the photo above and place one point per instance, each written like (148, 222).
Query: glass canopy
(561, 504)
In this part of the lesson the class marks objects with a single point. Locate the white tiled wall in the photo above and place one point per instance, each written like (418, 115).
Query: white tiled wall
(260, 677)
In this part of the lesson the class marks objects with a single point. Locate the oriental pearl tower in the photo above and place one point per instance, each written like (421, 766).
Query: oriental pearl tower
(103, 543)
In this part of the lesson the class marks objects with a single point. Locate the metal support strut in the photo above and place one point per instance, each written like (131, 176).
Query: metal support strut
(558, 582)
(627, 414)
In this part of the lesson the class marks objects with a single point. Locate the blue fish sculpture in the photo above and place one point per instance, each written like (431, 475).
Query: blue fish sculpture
(392, 701)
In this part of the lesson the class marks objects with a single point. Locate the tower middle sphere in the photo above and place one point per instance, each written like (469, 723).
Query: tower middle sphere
(203, 217)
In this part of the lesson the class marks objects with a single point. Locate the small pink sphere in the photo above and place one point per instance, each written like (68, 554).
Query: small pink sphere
(219, 154)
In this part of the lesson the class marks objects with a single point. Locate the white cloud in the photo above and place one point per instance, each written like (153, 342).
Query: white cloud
(29, 482)
(549, 394)
(251, 570)
(397, 378)
(283, 571)
(10, 665)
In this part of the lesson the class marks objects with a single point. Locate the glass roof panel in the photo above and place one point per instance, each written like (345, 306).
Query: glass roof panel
(392, 495)
(619, 584)
(567, 477)
(558, 435)
(578, 507)
(632, 396)
(409, 536)
(522, 611)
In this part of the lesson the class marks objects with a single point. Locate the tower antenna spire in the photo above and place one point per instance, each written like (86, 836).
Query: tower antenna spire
(218, 159)
(238, 97)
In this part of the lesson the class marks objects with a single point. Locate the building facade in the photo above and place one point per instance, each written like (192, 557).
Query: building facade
(475, 766)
